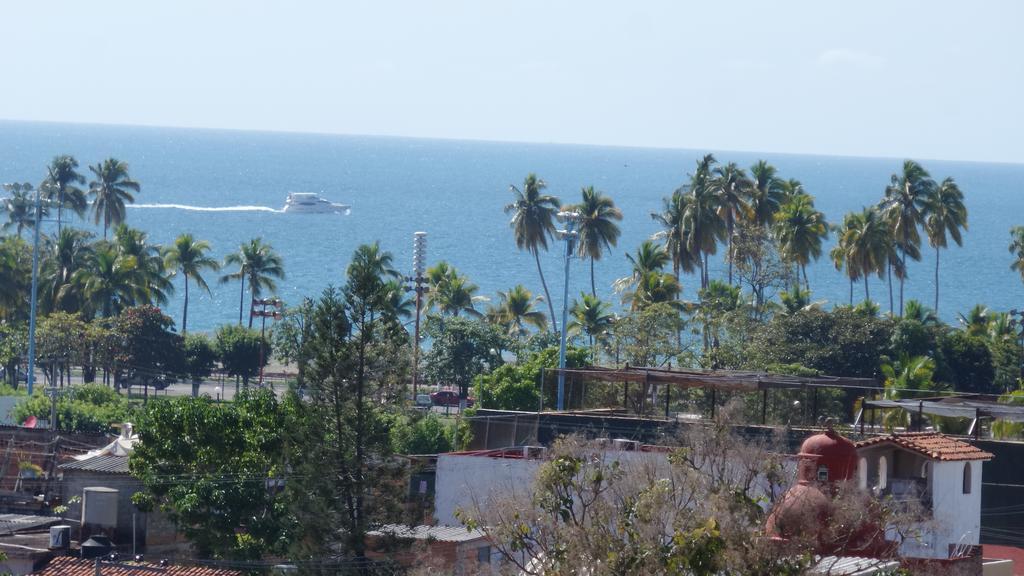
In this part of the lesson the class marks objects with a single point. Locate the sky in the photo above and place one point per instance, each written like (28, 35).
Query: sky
(923, 79)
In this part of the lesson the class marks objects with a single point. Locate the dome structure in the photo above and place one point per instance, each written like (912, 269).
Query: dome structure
(802, 512)
(834, 458)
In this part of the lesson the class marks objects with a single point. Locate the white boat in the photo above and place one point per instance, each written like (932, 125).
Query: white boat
(310, 203)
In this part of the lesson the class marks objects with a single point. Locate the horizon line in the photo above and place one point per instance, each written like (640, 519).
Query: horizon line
(500, 141)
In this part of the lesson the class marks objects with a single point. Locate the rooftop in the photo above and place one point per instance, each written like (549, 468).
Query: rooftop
(69, 566)
(436, 533)
(931, 445)
(102, 463)
(11, 523)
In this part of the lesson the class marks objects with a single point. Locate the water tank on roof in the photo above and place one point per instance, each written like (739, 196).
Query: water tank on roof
(99, 510)
(60, 537)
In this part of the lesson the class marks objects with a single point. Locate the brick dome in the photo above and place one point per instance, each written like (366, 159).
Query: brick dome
(802, 512)
(834, 457)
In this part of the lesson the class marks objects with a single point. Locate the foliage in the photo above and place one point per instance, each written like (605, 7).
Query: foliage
(225, 460)
(91, 408)
(647, 337)
(150, 353)
(966, 362)
(290, 336)
(1004, 429)
(421, 434)
(239, 351)
(912, 338)
(533, 224)
(461, 349)
(1006, 364)
(518, 386)
(13, 348)
(200, 358)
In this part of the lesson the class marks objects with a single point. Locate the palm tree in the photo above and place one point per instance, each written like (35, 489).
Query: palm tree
(110, 282)
(597, 228)
(905, 205)
(977, 321)
(1017, 249)
(868, 243)
(700, 216)
(800, 230)
(60, 182)
(189, 256)
(591, 316)
(915, 310)
(533, 214)
(152, 281)
(450, 292)
(111, 189)
(397, 299)
(258, 265)
(650, 257)
(767, 193)
(945, 213)
(20, 207)
(68, 253)
(795, 300)
(841, 251)
(675, 234)
(731, 188)
(654, 287)
(908, 377)
(515, 310)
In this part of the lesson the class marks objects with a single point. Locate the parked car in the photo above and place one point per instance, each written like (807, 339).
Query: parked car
(448, 398)
(423, 401)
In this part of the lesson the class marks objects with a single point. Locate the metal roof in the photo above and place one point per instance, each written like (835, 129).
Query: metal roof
(955, 407)
(70, 566)
(718, 379)
(437, 533)
(103, 463)
(11, 523)
(851, 566)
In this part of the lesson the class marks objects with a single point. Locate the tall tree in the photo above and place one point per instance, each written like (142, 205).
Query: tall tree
(450, 292)
(650, 257)
(675, 234)
(190, 257)
(731, 189)
(905, 205)
(259, 265)
(597, 227)
(700, 215)
(800, 230)
(1017, 249)
(515, 311)
(533, 215)
(767, 193)
(149, 264)
(62, 175)
(593, 317)
(65, 255)
(867, 242)
(945, 213)
(109, 283)
(111, 189)
(20, 207)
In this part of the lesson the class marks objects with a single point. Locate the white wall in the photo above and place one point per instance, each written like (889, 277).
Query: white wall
(461, 479)
(956, 517)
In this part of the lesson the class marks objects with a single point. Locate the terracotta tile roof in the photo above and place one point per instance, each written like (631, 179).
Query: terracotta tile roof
(932, 445)
(438, 533)
(69, 566)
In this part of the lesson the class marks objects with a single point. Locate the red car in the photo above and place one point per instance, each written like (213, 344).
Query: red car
(448, 398)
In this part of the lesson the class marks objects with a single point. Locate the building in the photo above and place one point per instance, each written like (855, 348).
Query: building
(455, 549)
(70, 566)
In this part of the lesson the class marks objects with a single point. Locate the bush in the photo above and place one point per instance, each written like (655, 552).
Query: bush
(423, 435)
(966, 362)
(239, 351)
(200, 359)
(84, 408)
(518, 386)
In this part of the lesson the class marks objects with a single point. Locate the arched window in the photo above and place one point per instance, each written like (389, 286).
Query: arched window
(862, 472)
(883, 473)
(967, 477)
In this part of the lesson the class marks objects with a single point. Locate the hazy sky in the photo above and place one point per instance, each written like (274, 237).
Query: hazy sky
(925, 79)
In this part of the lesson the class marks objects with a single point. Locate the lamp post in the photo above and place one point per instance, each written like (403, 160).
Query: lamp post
(269, 308)
(35, 291)
(417, 283)
(569, 234)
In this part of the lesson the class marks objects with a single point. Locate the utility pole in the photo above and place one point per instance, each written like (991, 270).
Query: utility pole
(35, 292)
(569, 234)
(417, 283)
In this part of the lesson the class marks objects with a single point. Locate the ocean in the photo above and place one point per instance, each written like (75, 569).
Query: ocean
(228, 186)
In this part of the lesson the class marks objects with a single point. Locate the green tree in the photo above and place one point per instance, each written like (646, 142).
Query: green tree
(460, 350)
(731, 189)
(1017, 249)
(598, 231)
(13, 349)
(450, 292)
(259, 265)
(15, 278)
(519, 386)
(906, 207)
(21, 207)
(86, 408)
(65, 255)
(227, 461)
(111, 189)
(60, 344)
(291, 335)
(965, 361)
(109, 283)
(515, 311)
(62, 175)
(767, 193)
(705, 228)
(533, 215)
(591, 316)
(945, 213)
(239, 350)
(675, 234)
(426, 434)
(914, 310)
(650, 257)
(150, 282)
(800, 230)
(200, 359)
(864, 239)
(150, 353)
(976, 322)
(189, 256)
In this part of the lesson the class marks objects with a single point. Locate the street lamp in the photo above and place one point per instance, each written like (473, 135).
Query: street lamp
(569, 234)
(417, 283)
(217, 391)
(269, 308)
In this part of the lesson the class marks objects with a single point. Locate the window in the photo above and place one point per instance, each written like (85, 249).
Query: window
(483, 554)
(883, 473)
(823, 473)
(862, 472)
(967, 477)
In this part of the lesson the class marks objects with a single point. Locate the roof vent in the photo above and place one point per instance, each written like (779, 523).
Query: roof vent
(625, 445)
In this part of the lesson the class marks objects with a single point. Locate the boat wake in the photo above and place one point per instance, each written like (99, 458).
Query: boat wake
(206, 208)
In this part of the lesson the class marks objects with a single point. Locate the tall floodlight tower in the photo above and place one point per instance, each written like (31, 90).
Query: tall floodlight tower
(417, 283)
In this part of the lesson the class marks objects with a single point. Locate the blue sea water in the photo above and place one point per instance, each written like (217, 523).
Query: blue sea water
(455, 191)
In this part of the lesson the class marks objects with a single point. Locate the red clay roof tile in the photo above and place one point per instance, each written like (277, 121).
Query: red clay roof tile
(69, 566)
(932, 445)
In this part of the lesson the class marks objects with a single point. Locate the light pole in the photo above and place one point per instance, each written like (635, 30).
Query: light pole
(35, 291)
(274, 305)
(568, 234)
(417, 283)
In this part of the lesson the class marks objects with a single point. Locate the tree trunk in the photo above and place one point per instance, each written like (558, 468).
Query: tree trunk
(184, 314)
(867, 291)
(888, 275)
(851, 291)
(728, 254)
(936, 280)
(807, 283)
(60, 210)
(241, 298)
(593, 285)
(547, 295)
